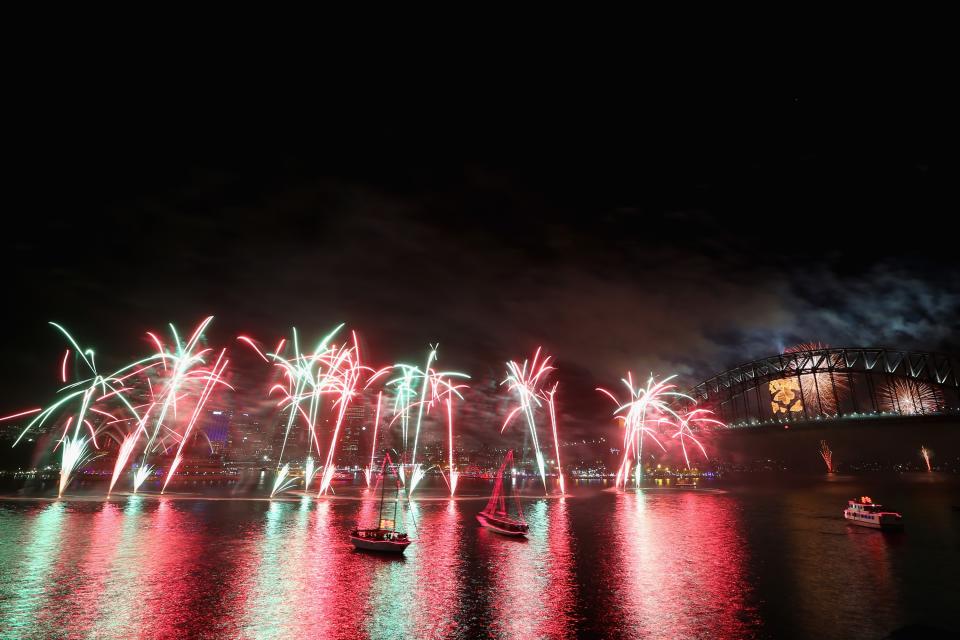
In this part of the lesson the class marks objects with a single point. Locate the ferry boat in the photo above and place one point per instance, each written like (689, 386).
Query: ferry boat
(686, 482)
(866, 513)
(385, 536)
(494, 516)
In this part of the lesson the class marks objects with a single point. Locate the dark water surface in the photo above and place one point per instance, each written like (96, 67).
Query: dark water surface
(764, 557)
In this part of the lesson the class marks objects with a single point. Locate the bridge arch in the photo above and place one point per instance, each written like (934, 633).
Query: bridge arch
(831, 383)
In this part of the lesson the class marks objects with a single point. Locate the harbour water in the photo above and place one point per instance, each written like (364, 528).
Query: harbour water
(764, 555)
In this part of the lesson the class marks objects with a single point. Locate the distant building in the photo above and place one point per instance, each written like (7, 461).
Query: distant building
(217, 427)
(351, 431)
(248, 441)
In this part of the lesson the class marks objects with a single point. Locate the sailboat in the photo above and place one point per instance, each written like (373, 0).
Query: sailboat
(385, 536)
(494, 516)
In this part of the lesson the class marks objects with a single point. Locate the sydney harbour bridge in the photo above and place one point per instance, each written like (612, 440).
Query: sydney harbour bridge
(815, 383)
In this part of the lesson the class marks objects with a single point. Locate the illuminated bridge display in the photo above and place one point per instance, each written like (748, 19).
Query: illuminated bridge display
(828, 383)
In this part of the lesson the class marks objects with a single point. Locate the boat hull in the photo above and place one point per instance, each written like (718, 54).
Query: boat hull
(883, 525)
(382, 546)
(496, 527)
(374, 540)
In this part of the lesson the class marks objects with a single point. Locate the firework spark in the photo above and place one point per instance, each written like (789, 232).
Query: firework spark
(416, 392)
(646, 411)
(328, 371)
(926, 454)
(690, 421)
(373, 443)
(80, 402)
(551, 396)
(97, 403)
(75, 453)
(214, 376)
(525, 381)
(821, 389)
(283, 481)
(827, 455)
(308, 472)
(185, 378)
(908, 397)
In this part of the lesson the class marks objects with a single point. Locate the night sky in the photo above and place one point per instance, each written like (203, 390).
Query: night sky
(682, 235)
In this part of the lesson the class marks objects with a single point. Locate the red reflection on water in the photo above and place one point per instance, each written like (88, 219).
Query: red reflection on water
(296, 585)
(91, 590)
(170, 584)
(677, 566)
(533, 594)
(439, 561)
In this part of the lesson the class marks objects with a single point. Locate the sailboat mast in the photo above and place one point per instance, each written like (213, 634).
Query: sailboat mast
(383, 480)
(396, 505)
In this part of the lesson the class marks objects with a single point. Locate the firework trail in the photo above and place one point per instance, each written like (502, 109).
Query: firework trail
(214, 377)
(926, 454)
(827, 455)
(308, 472)
(330, 370)
(645, 409)
(699, 419)
(444, 391)
(821, 390)
(373, 444)
(525, 381)
(283, 481)
(75, 454)
(306, 380)
(418, 390)
(453, 473)
(127, 445)
(104, 399)
(908, 397)
(550, 397)
(78, 402)
(184, 371)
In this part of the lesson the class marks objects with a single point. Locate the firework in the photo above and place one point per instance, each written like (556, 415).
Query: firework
(373, 443)
(550, 397)
(212, 378)
(821, 390)
(454, 475)
(926, 454)
(92, 397)
(644, 411)
(105, 399)
(143, 472)
(184, 378)
(330, 370)
(525, 381)
(908, 397)
(827, 455)
(283, 481)
(690, 420)
(75, 453)
(416, 392)
(308, 472)
(127, 445)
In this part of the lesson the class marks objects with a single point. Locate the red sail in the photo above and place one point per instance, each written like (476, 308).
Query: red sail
(497, 505)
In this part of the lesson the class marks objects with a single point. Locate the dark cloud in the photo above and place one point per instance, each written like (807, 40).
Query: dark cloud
(683, 249)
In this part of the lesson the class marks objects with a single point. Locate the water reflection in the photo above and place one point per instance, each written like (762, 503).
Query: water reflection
(664, 563)
(831, 564)
(533, 579)
(676, 566)
(27, 583)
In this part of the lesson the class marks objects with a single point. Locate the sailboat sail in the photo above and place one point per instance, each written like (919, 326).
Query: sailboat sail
(497, 505)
